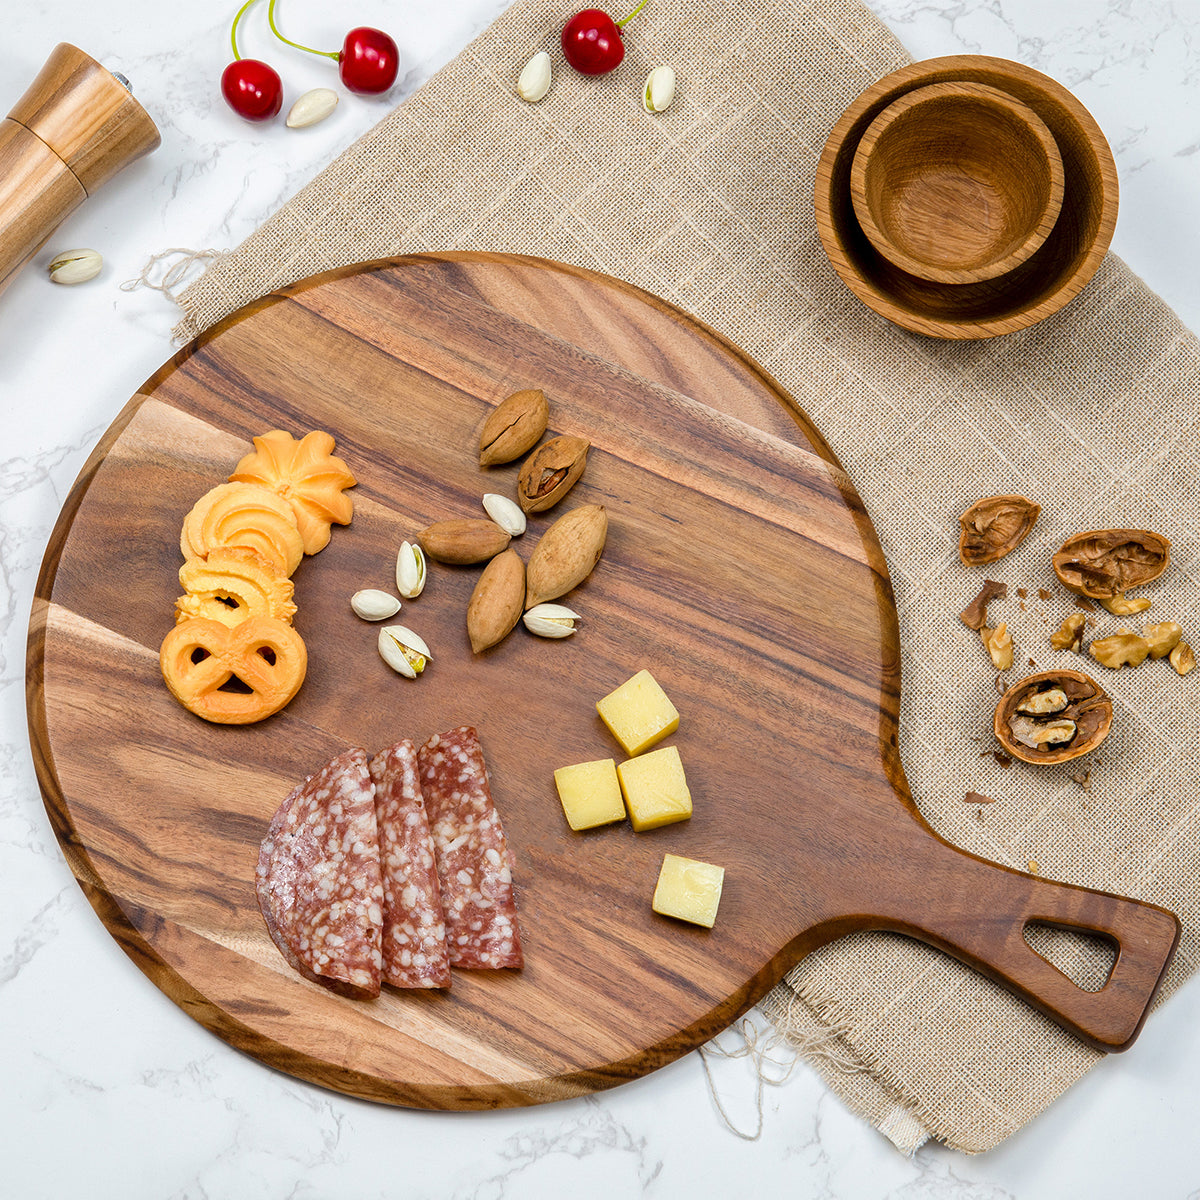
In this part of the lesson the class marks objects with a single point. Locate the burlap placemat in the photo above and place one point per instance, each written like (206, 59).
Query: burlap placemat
(1092, 413)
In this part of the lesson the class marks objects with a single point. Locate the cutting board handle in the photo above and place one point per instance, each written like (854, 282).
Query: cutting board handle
(978, 912)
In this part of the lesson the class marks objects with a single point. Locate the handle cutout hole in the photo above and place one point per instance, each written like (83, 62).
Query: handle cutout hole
(1084, 957)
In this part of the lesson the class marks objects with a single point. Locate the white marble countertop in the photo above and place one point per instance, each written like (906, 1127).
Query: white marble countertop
(108, 1089)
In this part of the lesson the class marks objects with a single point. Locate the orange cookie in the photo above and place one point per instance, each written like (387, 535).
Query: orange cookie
(243, 514)
(231, 584)
(233, 675)
(307, 475)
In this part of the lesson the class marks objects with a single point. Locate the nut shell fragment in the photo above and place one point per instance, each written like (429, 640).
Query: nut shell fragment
(993, 527)
(974, 616)
(1106, 563)
(1047, 739)
(550, 472)
(514, 426)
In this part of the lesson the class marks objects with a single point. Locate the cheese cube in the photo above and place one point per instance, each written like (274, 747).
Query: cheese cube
(638, 713)
(590, 793)
(655, 789)
(689, 889)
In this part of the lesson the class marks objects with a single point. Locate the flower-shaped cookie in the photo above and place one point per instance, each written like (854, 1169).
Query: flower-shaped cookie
(307, 475)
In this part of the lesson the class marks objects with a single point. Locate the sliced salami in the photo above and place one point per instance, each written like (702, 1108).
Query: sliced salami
(473, 860)
(318, 879)
(414, 931)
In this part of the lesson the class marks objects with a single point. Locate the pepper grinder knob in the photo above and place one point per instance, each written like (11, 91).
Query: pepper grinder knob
(75, 127)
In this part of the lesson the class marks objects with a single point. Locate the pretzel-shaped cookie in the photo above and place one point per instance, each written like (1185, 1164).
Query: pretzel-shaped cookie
(199, 657)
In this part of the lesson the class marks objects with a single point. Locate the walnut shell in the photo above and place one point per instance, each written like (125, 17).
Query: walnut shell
(1087, 705)
(993, 527)
(1104, 563)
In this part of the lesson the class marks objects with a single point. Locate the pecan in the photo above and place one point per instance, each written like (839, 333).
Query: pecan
(513, 427)
(550, 472)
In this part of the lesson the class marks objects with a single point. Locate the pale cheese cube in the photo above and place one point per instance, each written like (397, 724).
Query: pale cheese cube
(689, 890)
(655, 789)
(590, 793)
(638, 713)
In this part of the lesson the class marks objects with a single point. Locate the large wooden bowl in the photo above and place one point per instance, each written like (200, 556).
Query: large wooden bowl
(957, 183)
(1046, 281)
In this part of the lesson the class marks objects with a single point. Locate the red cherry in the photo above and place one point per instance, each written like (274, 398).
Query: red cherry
(591, 42)
(252, 89)
(369, 61)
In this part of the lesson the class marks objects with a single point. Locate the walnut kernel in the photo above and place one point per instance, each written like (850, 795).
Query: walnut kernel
(1162, 638)
(1070, 633)
(999, 645)
(1119, 606)
(1121, 649)
(1182, 658)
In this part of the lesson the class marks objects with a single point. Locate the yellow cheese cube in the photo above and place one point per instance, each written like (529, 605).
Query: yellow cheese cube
(638, 713)
(689, 890)
(655, 789)
(590, 793)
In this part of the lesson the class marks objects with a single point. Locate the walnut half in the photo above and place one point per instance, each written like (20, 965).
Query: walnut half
(1106, 563)
(1052, 717)
(993, 527)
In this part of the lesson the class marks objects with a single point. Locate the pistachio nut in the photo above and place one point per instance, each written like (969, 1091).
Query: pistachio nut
(410, 571)
(75, 266)
(374, 605)
(551, 620)
(505, 512)
(513, 427)
(659, 90)
(566, 554)
(550, 472)
(535, 78)
(463, 540)
(496, 603)
(404, 651)
(315, 105)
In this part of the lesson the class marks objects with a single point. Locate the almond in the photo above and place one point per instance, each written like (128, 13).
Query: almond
(496, 602)
(566, 554)
(513, 427)
(463, 540)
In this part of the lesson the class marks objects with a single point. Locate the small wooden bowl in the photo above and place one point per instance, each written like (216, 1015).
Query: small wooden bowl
(1040, 286)
(957, 182)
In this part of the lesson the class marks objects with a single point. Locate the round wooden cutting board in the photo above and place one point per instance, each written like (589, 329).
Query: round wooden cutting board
(741, 570)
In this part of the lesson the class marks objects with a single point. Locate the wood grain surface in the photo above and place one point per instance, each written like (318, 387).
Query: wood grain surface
(740, 569)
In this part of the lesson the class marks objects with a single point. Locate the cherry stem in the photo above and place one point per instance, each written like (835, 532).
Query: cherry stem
(233, 31)
(334, 54)
(623, 21)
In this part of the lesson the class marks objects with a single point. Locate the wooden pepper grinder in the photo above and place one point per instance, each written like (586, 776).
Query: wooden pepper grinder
(76, 126)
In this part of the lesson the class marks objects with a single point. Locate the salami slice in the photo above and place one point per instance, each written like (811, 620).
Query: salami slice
(318, 878)
(473, 860)
(414, 931)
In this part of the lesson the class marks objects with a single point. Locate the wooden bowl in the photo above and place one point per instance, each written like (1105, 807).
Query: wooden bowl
(957, 182)
(1040, 286)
